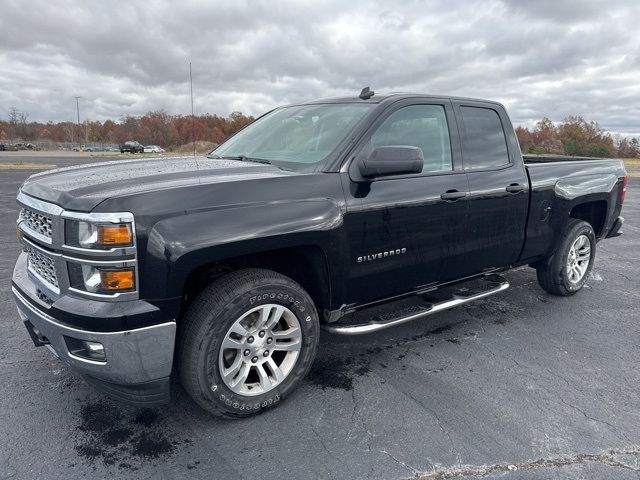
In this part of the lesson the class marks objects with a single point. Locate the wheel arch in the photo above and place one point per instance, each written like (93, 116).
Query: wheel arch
(305, 264)
(593, 212)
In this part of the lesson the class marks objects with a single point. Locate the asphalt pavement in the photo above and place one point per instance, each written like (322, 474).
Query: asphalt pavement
(520, 385)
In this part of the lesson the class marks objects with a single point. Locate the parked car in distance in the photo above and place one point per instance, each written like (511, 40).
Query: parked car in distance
(153, 149)
(83, 148)
(131, 147)
(349, 214)
(2, 147)
(24, 146)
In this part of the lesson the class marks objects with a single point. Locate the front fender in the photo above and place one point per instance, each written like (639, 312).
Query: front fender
(178, 245)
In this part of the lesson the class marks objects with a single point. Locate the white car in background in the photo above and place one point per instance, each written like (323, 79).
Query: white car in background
(153, 149)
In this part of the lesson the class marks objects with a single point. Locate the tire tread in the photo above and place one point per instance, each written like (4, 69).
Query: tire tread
(549, 272)
(196, 326)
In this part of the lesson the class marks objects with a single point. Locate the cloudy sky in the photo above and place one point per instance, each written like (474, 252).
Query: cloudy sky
(542, 57)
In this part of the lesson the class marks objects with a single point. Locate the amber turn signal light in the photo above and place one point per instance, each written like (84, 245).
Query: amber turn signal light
(113, 280)
(115, 235)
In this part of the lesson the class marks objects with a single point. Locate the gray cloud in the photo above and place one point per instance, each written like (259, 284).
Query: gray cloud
(546, 57)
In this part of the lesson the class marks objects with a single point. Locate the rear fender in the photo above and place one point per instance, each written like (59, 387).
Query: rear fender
(571, 188)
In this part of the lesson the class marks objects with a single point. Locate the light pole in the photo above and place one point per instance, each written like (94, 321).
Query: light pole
(193, 118)
(78, 108)
(78, 112)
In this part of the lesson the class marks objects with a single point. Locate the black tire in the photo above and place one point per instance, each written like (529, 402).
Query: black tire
(208, 320)
(552, 272)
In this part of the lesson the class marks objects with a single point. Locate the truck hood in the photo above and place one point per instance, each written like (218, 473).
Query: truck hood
(83, 187)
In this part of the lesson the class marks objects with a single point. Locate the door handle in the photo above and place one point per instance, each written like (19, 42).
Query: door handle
(515, 188)
(453, 195)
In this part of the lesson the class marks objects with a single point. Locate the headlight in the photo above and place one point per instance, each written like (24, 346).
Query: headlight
(95, 279)
(99, 236)
(91, 278)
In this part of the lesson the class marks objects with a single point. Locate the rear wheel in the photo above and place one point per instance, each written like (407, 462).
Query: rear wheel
(567, 270)
(247, 342)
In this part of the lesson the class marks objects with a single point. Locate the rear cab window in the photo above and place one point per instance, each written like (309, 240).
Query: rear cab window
(484, 144)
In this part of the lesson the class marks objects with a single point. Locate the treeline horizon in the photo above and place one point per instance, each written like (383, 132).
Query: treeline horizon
(574, 136)
(153, 128)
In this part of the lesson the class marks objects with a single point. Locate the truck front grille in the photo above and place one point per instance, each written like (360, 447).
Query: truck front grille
(36, 222)
(43, 266)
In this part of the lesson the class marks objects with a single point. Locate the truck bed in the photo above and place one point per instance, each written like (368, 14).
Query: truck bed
(556, 184)
(542, 170)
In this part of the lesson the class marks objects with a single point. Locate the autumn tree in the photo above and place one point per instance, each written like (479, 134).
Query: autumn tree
(546, 137)
(629, 148)
(575, 137)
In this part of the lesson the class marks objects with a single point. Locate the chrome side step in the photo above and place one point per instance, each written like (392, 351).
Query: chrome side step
(494, 284)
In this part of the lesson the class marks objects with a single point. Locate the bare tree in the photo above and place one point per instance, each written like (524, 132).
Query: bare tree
(68, 131)
(14, 116)
(23, 126)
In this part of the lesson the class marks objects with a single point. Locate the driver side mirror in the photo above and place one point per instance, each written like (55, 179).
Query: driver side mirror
(386, 161)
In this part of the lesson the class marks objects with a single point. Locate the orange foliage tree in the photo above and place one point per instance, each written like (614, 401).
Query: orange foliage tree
(576, 137)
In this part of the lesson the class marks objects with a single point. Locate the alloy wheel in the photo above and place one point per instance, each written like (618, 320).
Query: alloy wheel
(260, 349)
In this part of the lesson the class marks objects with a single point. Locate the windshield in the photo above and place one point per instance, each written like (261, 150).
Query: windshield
(304, 134)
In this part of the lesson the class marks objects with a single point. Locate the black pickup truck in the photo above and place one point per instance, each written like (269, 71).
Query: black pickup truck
(328, 214)
(131, 147)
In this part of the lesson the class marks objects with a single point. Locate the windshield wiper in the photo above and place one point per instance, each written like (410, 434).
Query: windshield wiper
(242, 158)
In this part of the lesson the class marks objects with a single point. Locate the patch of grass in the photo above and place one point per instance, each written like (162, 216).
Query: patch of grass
(26, 166)
(632, 163)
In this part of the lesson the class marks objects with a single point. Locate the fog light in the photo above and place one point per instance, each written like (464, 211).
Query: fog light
(94, 349)
(86, 349)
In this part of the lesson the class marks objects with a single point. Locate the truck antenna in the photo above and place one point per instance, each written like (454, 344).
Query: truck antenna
(366, 93)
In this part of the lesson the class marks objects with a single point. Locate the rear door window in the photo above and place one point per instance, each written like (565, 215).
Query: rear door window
(484, 144)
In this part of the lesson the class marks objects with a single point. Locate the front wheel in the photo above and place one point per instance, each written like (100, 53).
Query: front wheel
(567, 270)
(247, 341)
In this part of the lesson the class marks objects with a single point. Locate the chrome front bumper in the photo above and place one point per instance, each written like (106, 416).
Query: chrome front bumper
(132, 356)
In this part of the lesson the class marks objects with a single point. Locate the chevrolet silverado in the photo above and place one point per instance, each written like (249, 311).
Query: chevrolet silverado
(327, 214)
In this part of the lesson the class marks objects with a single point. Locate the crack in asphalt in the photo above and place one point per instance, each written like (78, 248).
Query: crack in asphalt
(399, 462)
(453, 449)
(606, 458)
(593, 419)
(324, 445)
